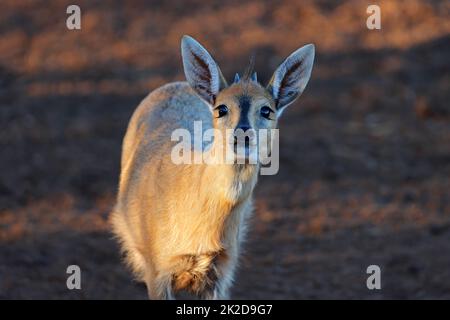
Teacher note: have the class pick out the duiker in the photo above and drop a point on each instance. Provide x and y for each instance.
(181, 225)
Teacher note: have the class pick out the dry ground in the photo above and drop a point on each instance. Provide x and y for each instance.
(365, 153)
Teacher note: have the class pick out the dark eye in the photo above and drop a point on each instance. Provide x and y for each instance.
(221, 110)
(265, 112)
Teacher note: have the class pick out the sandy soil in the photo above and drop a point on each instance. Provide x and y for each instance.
(365, 153)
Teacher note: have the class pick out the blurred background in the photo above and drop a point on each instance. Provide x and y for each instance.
(365, 152)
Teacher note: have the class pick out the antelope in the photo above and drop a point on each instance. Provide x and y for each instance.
(180, 226)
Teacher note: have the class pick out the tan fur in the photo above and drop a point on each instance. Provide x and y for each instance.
(181, 225)
(165, 211)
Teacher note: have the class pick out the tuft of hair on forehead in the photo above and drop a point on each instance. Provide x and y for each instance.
(249, 75)
(249, 70)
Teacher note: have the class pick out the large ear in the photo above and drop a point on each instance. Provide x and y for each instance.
(201, 71)
(291, 77)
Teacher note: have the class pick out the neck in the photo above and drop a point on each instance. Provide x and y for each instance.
(234, 179)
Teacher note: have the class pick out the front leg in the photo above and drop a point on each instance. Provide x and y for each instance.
(236, 231)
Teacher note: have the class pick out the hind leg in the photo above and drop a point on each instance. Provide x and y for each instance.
(155, 294)
(197, 274)
(224, 268)
(158, 288)
(218, 293)
(227, 270)
(221, 290)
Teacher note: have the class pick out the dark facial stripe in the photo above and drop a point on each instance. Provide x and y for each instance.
(244, 105)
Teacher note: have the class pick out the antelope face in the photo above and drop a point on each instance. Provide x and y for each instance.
(240, 112)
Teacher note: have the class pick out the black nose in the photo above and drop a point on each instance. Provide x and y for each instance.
(244, 128)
